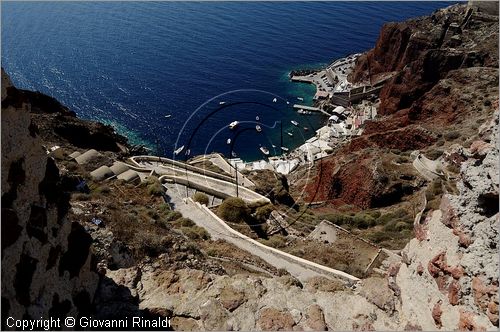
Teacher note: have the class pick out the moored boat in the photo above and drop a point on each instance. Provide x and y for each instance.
(295, 123)
(264, 150)
(179, 150)
(233, 124)
(258, 128)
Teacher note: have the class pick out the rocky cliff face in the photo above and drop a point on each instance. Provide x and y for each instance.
(46, 260)
(422, 51)
(56, 124)
(449, 275)
(444, 83)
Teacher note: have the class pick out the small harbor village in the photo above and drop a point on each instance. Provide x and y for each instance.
(334, 99)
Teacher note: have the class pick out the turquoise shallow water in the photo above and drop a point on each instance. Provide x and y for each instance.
(131, 63)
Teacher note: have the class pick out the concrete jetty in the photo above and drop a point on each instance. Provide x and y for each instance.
(310, 108)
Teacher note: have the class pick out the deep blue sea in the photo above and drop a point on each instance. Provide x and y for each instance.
(129, 64)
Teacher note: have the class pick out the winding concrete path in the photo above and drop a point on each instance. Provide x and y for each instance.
(300, 268)
(197, 178)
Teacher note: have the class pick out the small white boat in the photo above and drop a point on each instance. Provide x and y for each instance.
(285, 149)
(300, 98)
(257, 118)
(233, 124)
(264, 150)
(306, 129)
(222, 102)
(288, 103)
(258, 128)
(233, 154)
(188, 152)
(228, 141)
(275, 100)
(179, 150)
(295, 123)
(290, 134)
(273, 145)
(168, 115)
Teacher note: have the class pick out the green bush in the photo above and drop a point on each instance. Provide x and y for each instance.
(378, 237)
(400, 213)
(102, 190)
(390, 226)
(200, 198)
(452, 135)
(363, 221)
(401, 225)
(184, 222)
(234, 209)
(153, 214)
(154, 186)
(276, 241)
(434, 154)
(172, 215)
(195, 233)
(263, 212)
(338, 218)
(164, 208)
(375, 214)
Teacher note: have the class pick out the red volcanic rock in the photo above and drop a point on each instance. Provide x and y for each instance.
(393, 270)
(466, 322)
(483, 293)
(418, 53)
(464, 240)
(441, 272)
(436, 314)
(420, 269)
(412, 327)
(451, 99)
(408, 138)
(449, 217)
(456, 271)
(454, 292)
(353, 183)
(420, 231)
(437, 264)
(492, 312)
(479, 148)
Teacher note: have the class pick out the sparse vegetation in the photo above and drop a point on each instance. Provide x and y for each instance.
(200, 198)
(276, 241)
(154, 186)
(263, 212)
(234, 209)
(451, 135)
(195, 232)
